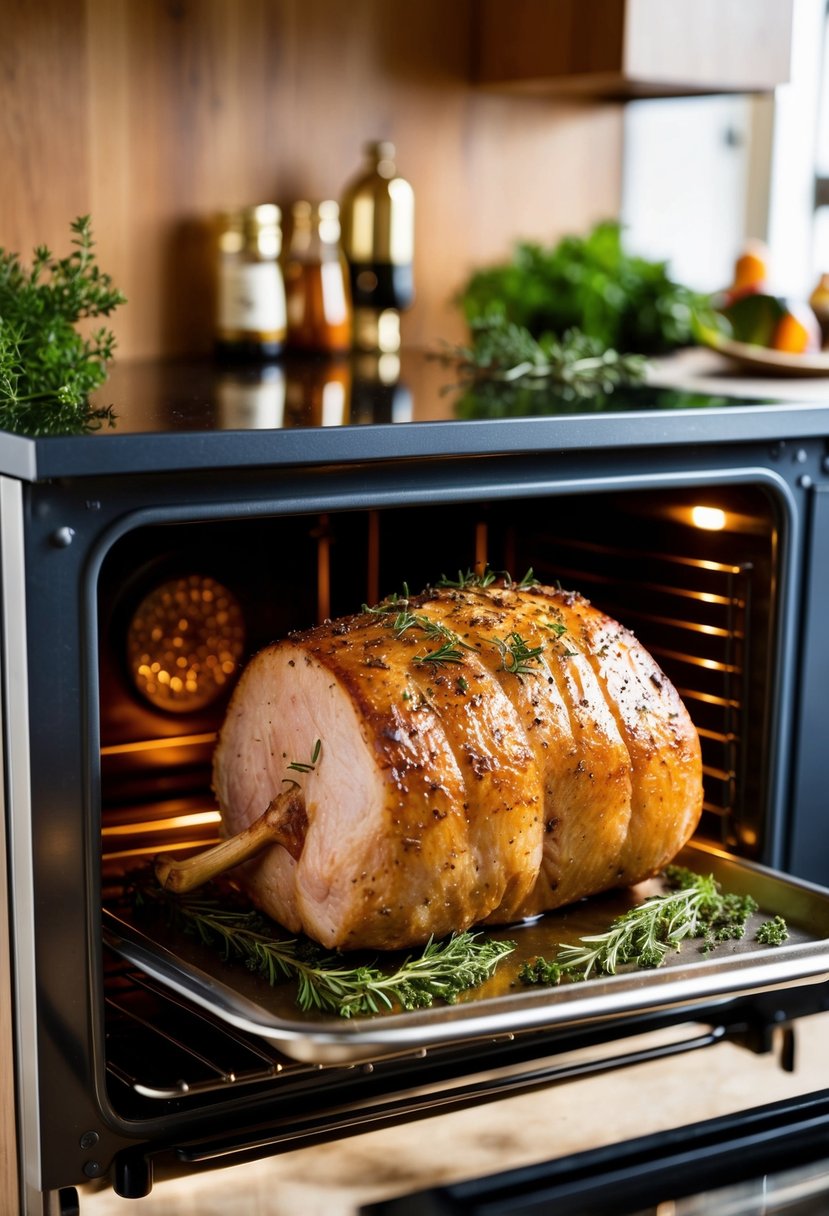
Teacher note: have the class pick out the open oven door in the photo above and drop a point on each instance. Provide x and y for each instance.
(773, 1159)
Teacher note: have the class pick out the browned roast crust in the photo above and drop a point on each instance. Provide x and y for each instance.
(473, 792)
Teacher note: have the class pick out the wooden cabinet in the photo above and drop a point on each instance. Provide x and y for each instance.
(633, 48)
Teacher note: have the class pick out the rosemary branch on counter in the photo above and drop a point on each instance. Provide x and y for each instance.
(505, 352)
(325, 981)
(695, 907)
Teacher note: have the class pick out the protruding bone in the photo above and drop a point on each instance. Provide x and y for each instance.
(284, 822)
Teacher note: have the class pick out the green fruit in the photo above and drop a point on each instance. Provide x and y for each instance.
(754, 318)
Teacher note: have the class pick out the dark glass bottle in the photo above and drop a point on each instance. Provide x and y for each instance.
(377, 218)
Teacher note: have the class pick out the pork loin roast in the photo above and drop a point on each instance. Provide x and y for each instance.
(470, 755)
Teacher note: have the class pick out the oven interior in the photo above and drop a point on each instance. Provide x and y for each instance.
(694, 573)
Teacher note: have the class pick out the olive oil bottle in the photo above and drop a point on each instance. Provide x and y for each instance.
(377, 218)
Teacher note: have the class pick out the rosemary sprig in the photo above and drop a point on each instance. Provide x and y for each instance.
(516, 654)
(502, 351)
(646, 934)
(307, 766)
(325, 983)
(450, 648)
(486, 578)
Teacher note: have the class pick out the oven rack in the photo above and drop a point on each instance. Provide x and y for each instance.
(205, 1057)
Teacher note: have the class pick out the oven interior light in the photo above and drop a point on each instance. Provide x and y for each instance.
(712, 519)
(185, 642)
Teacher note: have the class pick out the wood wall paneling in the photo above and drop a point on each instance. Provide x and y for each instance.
(630, 48)
(153, 115)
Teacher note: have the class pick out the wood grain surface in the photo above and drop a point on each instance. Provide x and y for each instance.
(152, 115)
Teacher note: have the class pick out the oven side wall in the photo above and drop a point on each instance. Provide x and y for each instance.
(9, 1174)
(8, 1130)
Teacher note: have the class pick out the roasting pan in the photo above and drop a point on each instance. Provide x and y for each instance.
(504, 1005)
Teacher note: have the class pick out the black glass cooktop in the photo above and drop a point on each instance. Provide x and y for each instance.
(358, 391)
(203, 414)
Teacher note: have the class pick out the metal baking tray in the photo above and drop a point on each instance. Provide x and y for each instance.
(504, 1005)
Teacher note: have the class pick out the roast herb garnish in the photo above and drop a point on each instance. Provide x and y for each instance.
(326, 982)
(486, 578)
(695, 907)
(307, 766)
(517, 655)
(47, 368)
(450, 648)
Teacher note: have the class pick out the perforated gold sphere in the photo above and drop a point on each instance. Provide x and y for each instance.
(185, 642)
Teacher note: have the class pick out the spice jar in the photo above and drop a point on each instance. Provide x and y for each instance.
(378, 242)
(316, 281)
(250, 313)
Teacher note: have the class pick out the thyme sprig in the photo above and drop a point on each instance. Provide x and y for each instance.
(48, 369)
(695, 907)
(326, 983)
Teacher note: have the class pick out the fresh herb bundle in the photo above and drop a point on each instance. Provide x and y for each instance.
(325, 981)
(588, 283)
(694, 907)
(507, 357)
(48, 369)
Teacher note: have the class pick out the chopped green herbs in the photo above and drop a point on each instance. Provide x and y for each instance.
(773, 932)
(327, 981)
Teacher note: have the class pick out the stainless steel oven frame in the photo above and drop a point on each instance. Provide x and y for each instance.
(64, 502)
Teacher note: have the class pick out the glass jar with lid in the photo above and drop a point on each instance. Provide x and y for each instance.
(250, 311)
(316, 281)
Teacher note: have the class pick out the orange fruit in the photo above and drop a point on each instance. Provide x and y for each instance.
(751, 270)
(797, 332)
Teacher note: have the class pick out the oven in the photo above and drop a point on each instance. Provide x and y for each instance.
(251, 503)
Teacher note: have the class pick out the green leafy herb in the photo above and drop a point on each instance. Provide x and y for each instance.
(469, 579)
(307, 766)
(646, 934)
(451, 646)
(325, 981)
(588, 283)
(773, 932)
(516, 655)
(506, 354)
(47, 368)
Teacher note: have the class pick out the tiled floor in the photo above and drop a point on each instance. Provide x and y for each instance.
(335, 1179)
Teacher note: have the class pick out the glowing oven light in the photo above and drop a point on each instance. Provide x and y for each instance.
(712, 519)
(185, 642)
